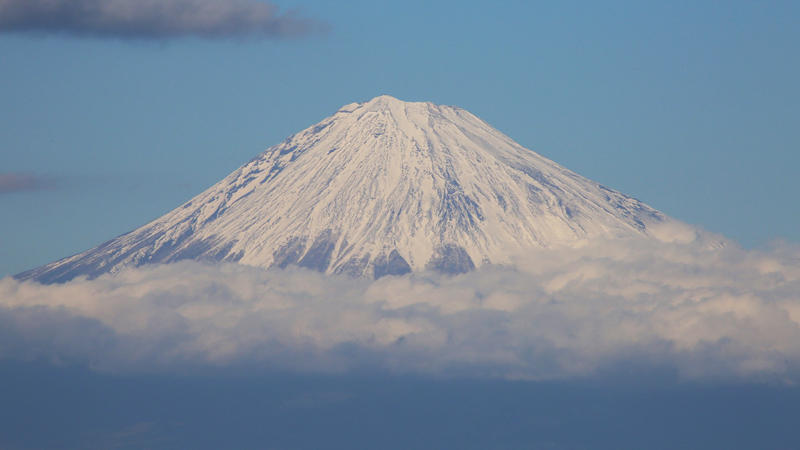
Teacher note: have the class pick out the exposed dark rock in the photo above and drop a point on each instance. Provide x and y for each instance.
(318, 256)
(354, 267)
(290, 253)
(394, 264)
(452, 259)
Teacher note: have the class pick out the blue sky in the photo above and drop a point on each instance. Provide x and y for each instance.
(689, 106)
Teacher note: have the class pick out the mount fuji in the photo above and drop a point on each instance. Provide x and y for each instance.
(384, 187)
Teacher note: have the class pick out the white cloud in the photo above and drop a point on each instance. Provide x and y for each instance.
(561, 313)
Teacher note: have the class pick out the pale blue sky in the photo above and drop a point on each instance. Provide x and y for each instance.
(690, 106)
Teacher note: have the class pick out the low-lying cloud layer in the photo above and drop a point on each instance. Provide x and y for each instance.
(695, 313)
(152, 19)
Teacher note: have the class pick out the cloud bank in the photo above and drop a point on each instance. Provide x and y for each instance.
(694, 313)
(153, 19)
(19, 182)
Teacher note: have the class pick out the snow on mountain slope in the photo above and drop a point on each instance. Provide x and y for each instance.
(382, 187)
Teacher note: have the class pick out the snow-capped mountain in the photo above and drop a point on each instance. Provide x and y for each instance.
(382, 187)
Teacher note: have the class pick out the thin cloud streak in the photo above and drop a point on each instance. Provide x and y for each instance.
(21, 182)
(154, 19)
(696, 313)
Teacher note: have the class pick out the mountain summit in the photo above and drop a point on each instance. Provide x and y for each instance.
(382, 188)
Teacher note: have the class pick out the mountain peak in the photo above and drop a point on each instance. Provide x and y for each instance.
(384, 99)
(381, 102)
(383, 187)
(391, 104)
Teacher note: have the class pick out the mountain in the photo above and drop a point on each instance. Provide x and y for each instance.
(379, 188)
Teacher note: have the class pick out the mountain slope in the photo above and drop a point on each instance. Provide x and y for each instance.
(379, 188)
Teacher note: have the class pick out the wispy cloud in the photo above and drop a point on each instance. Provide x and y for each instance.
(153, 19)
(698, 313)
(18, 182)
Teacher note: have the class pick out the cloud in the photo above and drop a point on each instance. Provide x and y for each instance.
(18, 182)
(153, 19)
(560, 313)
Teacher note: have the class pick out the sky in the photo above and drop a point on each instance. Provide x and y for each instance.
(113, 112)
(107, 124)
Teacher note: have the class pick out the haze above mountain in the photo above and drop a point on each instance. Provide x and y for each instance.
(379, 188)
